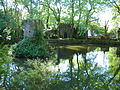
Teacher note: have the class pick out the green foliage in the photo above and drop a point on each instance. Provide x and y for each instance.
(114, 60)
(39, 37)
(5, 61)
(96, 28)
(30, 48)
(34, 77)
(9, 24)
(80, 13)
(3, 24)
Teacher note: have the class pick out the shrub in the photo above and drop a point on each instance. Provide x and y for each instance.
(31, 48)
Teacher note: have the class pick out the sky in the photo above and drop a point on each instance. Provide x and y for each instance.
(105, 16)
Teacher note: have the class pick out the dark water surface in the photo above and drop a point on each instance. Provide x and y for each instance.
(69, 68)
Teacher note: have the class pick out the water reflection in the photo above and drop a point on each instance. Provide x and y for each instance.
(83, 52)
(75, 68)
(89, 68)
(67, 52)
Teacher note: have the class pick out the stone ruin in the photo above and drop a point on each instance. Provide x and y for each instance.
(65, 30)
(30, 27)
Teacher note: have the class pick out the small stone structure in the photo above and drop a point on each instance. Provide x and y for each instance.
(65, 30)
(30, 26)
(51, 34)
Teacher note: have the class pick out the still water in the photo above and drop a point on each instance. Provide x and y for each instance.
(69, 68)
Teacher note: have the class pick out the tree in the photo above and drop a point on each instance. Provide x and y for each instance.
(85, 10)
(79, 13)
(106, 26)
(55, 7)
(115, 4)
(4, 5)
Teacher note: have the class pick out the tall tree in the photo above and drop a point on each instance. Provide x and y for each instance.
(115, 4)
(4, 5)
(72, 17)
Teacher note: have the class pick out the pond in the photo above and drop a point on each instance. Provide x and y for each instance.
(84, 67)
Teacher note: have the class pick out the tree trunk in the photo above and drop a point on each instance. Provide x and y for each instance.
(4, 7)
(72, 22)
(31, 12)
(48, 16)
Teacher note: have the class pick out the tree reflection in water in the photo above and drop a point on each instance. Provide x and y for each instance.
(78, 69)
(84, 73)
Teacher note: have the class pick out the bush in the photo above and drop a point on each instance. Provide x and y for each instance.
(30, 48)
